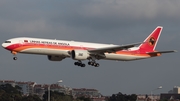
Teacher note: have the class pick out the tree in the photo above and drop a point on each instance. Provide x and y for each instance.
(31, 98)
(9, 93)
(83, 99)
(122, 97)
(57, 96)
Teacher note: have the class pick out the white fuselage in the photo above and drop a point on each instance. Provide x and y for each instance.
(62, 48)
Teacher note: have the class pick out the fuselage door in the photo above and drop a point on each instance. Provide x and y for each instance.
(21, 43)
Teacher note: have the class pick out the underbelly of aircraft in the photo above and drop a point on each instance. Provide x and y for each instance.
(118, 57)
(41, 51)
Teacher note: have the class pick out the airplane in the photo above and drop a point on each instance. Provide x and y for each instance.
(57, 50)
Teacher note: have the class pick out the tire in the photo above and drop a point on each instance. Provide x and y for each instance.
(83, 65)
(97, 65)
(14, 58)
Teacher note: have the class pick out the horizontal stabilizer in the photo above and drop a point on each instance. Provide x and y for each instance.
(161, 52)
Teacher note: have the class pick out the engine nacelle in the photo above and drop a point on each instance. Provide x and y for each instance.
(79, 54)
(55, 58)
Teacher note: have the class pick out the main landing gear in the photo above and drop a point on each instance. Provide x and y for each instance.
(79, 63)
(92, 63)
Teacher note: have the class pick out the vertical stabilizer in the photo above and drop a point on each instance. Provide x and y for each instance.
(151, 41)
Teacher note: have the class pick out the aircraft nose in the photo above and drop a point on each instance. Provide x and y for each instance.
(3, 45)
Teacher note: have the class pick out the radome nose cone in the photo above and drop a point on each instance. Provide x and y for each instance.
(3, 45)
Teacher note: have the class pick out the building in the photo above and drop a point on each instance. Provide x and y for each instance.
(173, 94)
(27, 87)
(90, 93)
(176, 90)
(170, 96)
(148, 97)
(11, 82)
(58, 88)
(39, 90)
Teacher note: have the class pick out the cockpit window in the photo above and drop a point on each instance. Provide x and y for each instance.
(7, 41)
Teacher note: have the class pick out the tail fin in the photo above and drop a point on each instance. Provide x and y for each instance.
(150, 42)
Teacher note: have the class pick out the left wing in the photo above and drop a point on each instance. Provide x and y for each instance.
(113, 49)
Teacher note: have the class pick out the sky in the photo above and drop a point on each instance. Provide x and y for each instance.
(101, 21)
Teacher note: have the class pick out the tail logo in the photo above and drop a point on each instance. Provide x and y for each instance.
(152, 41)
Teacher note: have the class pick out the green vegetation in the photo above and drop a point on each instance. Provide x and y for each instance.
(9, 93)
(57, 96)
(83, 99)
(122, 97)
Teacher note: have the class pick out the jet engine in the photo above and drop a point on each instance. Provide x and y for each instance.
(79, 54)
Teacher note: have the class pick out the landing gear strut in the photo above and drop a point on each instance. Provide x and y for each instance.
(79, 63)
(14, 53)
(92, 62)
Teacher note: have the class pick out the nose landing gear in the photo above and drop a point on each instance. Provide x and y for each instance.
(14, 58)
(14, 53)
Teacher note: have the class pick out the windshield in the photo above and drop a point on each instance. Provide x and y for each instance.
(7, 41)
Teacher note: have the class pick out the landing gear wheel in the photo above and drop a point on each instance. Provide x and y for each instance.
(75, 63)
(93, 63)
(89, 63)
(14, 58)
(79, 63)
(97, 65)
(83, 65)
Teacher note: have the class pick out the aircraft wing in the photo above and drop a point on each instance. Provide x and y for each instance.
(161, 52)
(113, 49)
